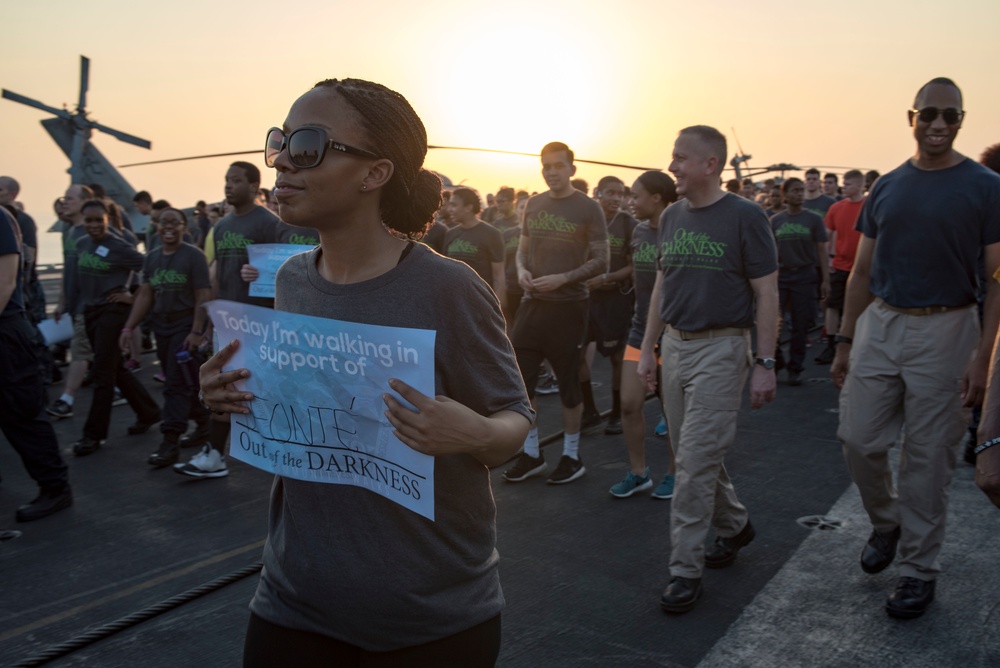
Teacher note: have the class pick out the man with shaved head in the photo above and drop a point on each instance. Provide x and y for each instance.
(910, 358)
(717, 275)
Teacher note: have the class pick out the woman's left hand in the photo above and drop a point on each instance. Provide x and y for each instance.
(441, 426)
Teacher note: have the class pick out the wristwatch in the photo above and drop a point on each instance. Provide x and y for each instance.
(766, 362)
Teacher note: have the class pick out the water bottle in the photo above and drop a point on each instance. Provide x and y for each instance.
(188, 369)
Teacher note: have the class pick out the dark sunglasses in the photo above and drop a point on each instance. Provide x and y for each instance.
(306, 146)
(929, 114)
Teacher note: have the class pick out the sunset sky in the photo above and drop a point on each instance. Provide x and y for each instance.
(811, 83)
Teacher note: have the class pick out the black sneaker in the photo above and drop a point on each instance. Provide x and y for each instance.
(87, 446)
(142, 426)
(547, 385)
(59, 409)
(826, 357)
(46, 503)
(569, 469)
(525, 467)
(590, 422)
(614, 426)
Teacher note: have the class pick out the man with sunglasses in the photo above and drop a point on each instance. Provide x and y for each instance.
(909, 354)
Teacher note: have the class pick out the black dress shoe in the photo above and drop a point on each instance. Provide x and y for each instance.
(168, 454)
(681, 594)
(86, 446)
(879, 551)
(911, 598)
(142, 426)
(723, 552)
(46, 503)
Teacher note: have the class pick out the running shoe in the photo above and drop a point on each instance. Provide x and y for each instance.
(60, 409)
(661, 427)
(665, 490)
(569, 469)
(631, 484)
(118, 399)
(525, 467)
(160, 377)
(209, 463)
(133, 365)
(590, 422)
(547, 384)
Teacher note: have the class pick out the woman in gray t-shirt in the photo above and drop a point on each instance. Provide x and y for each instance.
(350, 576)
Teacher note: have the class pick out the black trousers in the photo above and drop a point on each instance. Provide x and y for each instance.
(180, 400)
(268, 645)
(22, 405)
(104, 325)
(797, 296)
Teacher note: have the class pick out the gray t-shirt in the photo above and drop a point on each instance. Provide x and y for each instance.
(478, 246)
(930, 227)
(347, 563)
(175, 277)
(103, 267)
(797, 236)
(643, 252)
(231, 237)
(708, 256)
(299, 236)
(558, 232)
(819, 205)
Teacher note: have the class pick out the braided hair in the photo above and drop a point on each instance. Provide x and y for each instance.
(396, 133)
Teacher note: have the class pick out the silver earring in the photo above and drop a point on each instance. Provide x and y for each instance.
(364, 187)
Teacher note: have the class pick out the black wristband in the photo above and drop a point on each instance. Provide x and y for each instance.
(985, 445)
(838, 338)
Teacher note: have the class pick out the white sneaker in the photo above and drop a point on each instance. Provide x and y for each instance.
(209, 463)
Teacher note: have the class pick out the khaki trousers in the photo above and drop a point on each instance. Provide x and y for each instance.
(905, 375)
(702, 387)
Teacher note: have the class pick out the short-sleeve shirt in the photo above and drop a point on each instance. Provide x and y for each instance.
(298, 236)
(510, 228)
(557, 233)
(10, 244)
(797, 236)
(819, 205)
(433, 578)
(929, 227)
(841, 219)
(478, 246)
(231, 236)
(103, 267)
(175, 277)
(434, 237)
(643, 251)
(708, 256)
(619, 234)
(70, 236)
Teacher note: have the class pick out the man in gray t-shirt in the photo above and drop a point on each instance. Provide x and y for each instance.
(718, 269)
(563, 242)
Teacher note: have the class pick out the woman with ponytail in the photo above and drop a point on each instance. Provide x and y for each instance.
(351, 578)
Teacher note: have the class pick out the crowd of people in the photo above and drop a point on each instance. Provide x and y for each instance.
(683, 283)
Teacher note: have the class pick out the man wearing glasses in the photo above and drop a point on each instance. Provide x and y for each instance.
(909, 355)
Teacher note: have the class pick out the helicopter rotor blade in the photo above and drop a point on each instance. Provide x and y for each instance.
(15, 97)
(535, 155)
(84, 82)
(191, 157)
(450, 148)
(123, 136)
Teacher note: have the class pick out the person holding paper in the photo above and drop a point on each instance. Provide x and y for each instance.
(349, 162)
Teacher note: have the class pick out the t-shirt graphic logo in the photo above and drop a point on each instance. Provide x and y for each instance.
(546, 224)
(168, 277)
(232, 241)
(693, 243)
(793, 231)
(90, 261)
(462, 247)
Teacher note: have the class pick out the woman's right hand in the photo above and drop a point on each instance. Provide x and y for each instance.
(218, 391)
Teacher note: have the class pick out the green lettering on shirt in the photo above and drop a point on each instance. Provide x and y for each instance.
(90, 261)
(163, 277)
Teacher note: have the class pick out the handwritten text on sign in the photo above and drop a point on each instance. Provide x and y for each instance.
(317, 412)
